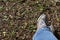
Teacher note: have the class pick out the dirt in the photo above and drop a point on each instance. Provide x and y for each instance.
(18, 18)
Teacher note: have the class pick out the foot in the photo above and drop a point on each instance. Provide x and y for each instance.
(41, 22)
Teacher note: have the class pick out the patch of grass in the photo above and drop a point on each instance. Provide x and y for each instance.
(5, 0)
(1, 8)
(5, 18)
(13, 33)
(32, 28)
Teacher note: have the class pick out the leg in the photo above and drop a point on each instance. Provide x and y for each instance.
(43, 32)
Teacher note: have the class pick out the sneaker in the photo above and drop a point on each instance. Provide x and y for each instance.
(41, 23)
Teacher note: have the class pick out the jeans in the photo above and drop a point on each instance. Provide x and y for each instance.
(44, 34)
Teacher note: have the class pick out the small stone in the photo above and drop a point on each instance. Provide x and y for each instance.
(37, 2)
(11, 16)
(4, 33)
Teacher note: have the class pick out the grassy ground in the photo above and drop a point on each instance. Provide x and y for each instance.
(18, 18)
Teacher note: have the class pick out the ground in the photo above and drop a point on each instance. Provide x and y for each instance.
(18, 18)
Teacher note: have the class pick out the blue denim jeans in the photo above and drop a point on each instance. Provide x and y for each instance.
(44, 34)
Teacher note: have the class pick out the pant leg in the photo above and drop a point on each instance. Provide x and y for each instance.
(44, 34)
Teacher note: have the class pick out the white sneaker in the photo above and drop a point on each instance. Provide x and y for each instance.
(41, 22)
